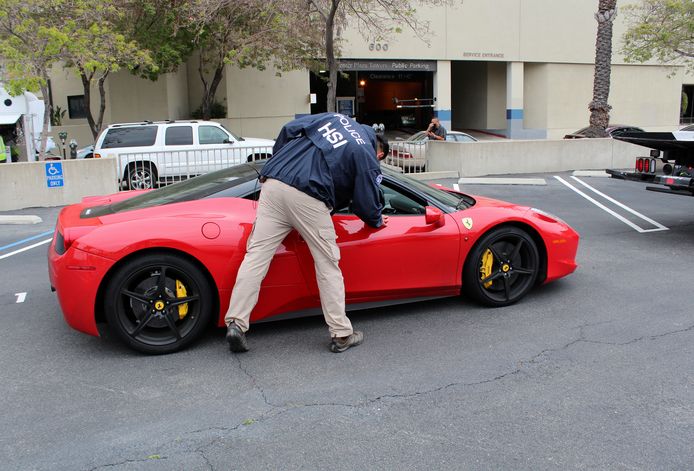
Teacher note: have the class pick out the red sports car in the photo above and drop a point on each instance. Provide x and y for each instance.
(158, 266)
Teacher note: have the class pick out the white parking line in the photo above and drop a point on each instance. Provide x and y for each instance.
(635, 213)
(20, 297)
(659, 227)
(24, 249)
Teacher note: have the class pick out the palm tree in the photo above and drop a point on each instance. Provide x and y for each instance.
(599, 108)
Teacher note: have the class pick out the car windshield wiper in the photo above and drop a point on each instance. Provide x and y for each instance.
(462, 204)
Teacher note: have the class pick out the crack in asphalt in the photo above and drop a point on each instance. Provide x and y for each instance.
(111, 465)
(201, 451)
(254, 382)
(649, 337)
(280, 409)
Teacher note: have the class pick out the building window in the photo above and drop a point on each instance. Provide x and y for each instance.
(76, 108)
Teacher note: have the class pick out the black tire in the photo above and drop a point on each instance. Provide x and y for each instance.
(141, 176)
(502, 267)
(256, 157)
(144, 308)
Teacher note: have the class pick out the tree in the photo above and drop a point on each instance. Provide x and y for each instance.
(96, 49)
(375, 19)
(156, 25)
(29, 47)
(245, 33)
(661, 30)
(599, 107)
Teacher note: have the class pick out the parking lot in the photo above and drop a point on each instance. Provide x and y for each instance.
(593, 371)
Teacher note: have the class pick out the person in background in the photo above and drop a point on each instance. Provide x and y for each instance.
(3, 152)
(436, 132)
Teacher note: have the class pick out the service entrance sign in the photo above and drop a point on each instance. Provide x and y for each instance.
(54, 174)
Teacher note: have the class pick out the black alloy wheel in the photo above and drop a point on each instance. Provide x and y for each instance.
(502, 267)
(141, 176)
(158, 303)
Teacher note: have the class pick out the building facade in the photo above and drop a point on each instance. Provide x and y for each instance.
(518, 68)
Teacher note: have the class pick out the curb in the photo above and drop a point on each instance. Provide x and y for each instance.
(590, 173)
(433, 175)
(20, 219)
(502, 181)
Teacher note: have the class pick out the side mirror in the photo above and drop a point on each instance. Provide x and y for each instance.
(434, 215)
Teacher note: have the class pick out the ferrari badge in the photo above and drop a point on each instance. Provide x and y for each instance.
(467, 222)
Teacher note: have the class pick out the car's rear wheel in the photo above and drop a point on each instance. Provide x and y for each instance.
(256, 157)
(141, 176)
(502, 267)
(158, 303)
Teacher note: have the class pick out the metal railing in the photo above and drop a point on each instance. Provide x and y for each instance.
(411, 157)
(144, 170)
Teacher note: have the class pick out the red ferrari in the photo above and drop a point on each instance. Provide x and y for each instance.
(158, 266)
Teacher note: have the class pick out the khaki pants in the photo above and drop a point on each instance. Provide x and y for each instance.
(281, 209)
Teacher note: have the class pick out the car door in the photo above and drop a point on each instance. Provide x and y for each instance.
(218, 149)
(405, 259)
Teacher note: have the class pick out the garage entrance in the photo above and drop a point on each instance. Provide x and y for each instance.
(398, 94)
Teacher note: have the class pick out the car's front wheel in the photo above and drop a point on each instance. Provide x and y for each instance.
(158, 303)
(502, 267)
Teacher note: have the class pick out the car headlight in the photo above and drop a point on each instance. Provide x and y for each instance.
(549, 217)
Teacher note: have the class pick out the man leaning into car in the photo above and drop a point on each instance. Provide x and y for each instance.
(319, 164)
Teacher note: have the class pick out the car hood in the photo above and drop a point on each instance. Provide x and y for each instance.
(257, 142)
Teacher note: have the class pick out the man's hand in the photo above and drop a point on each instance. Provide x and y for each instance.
(384, 219)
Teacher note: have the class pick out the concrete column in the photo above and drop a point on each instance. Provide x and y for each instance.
(442, 92)
(514, 99)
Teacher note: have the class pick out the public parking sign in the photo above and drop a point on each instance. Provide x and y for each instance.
(54, 174)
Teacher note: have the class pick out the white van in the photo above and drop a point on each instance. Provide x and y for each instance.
(153, 152)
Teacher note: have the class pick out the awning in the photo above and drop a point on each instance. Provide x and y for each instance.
(9, 118)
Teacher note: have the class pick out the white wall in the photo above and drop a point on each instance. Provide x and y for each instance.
(23, 184)
(510, 157)
(137, 99)
(499, 30)
(535, 96)
(261, 103)
(496, 95)
(557, 97)
(177, 92)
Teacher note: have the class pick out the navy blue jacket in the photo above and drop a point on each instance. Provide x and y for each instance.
(332, 158)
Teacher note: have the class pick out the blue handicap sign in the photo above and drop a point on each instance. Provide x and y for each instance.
(54, 174)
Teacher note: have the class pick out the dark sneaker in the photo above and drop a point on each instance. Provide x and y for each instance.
(340, 344)
(236, 338)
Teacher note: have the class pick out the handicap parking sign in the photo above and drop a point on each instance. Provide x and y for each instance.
(54, 174)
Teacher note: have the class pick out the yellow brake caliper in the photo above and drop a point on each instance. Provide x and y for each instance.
(181, 292)
(486, 267)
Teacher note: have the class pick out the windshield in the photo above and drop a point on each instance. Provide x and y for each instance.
(238, 138)
(453, 201)
(188, 190)
(418, 136)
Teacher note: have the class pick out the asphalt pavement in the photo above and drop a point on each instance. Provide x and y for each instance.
(592, 371)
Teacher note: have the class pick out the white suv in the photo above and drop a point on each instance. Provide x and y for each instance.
(152, 152)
